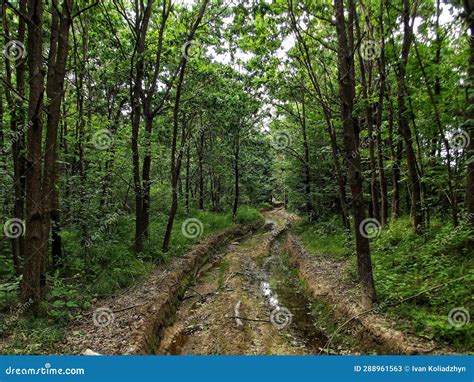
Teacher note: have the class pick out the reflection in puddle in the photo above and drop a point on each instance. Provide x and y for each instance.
(268, 293)
(287, 295)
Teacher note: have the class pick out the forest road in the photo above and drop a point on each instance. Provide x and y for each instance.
(248, 301)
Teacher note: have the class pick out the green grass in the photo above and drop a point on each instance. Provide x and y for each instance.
(406, 264)
(108, 265)
(326, 238)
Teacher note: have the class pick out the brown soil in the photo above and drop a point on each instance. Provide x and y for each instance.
(226, 311)
(223, 297)
(134, 319)
(325, 280)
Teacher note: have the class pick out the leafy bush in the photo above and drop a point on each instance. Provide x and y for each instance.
(247, 214)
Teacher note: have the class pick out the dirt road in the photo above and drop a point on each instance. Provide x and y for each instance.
(248, 301)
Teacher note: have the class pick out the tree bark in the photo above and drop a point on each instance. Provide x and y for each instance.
(404, 128)
(469, 10)
(176, 160)
(347, 94)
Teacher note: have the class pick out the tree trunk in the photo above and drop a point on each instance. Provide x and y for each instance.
(176, 162)
(378, 124)
(347, 94)
(404, 128)
(41, 183)
(469, 9)
(19, 129)
(236, 175)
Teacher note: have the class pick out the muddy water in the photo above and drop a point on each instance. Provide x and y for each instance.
(282, 289)
(249, 301)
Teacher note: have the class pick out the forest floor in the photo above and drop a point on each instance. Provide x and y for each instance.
(255, 295)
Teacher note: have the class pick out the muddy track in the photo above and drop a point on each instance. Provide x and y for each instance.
(250, 301)
(244, 291)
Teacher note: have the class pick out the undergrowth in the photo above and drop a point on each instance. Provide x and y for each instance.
(419, 279)
(98, 267)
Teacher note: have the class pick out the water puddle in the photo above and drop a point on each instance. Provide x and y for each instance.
(280, 286)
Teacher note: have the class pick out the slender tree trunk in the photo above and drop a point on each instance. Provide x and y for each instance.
(176, 161)
(201, 166)
(469, 10)
(347, 94)
(378, 124)
(19, 128)
(404, 128)
(236, 175)
(186, 203)
(307, 169)
(442, 137)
